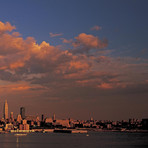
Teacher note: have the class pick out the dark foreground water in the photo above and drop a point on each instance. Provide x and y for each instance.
(94, 140)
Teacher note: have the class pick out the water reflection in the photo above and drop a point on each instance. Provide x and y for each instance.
(17, 142)
(95, 140)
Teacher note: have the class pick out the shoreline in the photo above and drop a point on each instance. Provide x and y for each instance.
(81, 131)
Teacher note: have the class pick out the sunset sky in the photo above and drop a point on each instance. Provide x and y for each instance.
(75, 58)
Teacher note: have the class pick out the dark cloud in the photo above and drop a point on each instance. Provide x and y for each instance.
(81, 72)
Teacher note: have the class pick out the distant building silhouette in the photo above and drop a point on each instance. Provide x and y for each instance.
(53, 118)
(145, 124)
(5, 113)
(42, 118)
(11, 116)
(22, 112)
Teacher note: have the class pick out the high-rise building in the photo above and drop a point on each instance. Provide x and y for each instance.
(5, 113)
(19, 118)
(53, 118)
(11, 116)
(22, 112)
(42, 118)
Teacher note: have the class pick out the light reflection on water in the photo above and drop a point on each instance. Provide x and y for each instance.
(57, 140)
(17, 142)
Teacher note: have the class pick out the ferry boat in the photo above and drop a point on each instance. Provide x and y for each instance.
(20, 134)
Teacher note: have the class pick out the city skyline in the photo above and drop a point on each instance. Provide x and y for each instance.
(43, 116)
(5, 110)
(77, 59)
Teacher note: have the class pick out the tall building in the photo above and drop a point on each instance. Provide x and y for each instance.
(11, 116)
(22, 112)
(53, 118)
(5, 113)
(19, 118)
(42, 118)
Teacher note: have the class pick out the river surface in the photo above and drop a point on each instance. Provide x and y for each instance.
(63, 140)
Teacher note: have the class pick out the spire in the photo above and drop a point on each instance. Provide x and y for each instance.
(5, 113)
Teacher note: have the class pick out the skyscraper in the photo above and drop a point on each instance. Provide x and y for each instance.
(42, 118)
(22, 112)
(5, 114)
(11, 115)
(53, 118)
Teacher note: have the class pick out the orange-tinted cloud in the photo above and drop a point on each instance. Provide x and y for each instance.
(16, 44)
(56, 69)
(17, 65)
(105, 86)
(78, 65)
(5, 27)
(87, 42)
(20, 88)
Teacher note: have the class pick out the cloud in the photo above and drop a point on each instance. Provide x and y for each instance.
(85, 42)
(16, 44)
(55, 34)
(5, 27)
(67, 41)
(17, 65)
(21, 88)
(79, 72)
(79, 65)
(105, 86)
(96, 28)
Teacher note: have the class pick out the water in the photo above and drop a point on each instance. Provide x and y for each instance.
(58, 140)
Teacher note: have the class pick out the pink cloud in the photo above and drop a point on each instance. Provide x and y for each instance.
(55, 34)
(105, 86)
(96, 28)
(67, 41)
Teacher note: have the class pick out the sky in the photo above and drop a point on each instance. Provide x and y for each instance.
(75, 58)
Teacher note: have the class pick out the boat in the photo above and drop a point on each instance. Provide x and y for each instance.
(20, 134)
(74, 131)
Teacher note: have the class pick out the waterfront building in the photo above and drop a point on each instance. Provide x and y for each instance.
(145, 124)
(63, 123)
(48, 120)
(109, 126)
(9, 126)
(22, 112)
(21, 127)
(24, 122)
(32, 123)
(53, 118)
(19, 118)
(11, 117)
(24, 127)
(5, 113)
